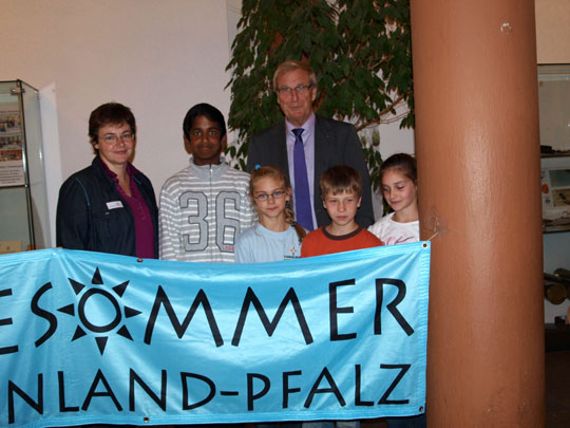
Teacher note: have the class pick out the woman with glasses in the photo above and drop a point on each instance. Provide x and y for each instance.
(276, 237)
(109, 206)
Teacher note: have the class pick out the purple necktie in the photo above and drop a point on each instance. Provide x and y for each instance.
(304, 215)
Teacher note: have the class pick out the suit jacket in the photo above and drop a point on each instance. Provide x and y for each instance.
(336, 143)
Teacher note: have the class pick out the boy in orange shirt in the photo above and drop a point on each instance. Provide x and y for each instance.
(341, 191)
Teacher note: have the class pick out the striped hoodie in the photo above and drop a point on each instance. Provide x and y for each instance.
(202, 210)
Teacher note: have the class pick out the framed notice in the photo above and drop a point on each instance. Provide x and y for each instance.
(11, 152)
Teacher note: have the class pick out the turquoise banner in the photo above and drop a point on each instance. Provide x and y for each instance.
(96, 338)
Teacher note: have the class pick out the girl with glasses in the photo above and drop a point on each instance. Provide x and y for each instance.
(276, 236)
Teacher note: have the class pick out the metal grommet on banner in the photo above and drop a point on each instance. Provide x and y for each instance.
(146, 420)
(140, 260)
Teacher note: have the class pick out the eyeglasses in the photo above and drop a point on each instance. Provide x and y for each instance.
(263, 197)
(211, 133)
(125, 137)
(299, 89)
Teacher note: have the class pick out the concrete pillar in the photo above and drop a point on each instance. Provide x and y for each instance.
(478, 157)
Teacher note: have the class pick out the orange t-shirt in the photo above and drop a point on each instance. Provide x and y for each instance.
(320, 242)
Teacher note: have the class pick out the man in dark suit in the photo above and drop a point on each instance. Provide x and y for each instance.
(326, 143)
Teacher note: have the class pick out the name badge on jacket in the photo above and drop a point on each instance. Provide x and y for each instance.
(114, 204)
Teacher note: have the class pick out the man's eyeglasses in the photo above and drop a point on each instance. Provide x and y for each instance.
(263, 197)
(211, 133)
(125, 137)
(299, 89)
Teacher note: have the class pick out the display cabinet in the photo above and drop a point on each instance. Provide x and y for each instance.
(23, 200)
(554, 110)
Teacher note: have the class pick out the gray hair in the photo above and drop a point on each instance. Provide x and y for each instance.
(292, 65)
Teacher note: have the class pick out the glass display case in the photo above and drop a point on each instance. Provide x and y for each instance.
(554, 111)
(23, 200)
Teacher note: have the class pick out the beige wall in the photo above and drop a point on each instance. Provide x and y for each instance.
(159, 57)
(552, 31)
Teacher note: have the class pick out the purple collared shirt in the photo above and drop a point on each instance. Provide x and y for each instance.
(308, 137)
(144, 228)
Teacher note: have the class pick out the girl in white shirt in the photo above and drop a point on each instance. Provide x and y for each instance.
(398, 175)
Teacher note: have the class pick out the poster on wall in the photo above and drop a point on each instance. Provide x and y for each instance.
(11, 151)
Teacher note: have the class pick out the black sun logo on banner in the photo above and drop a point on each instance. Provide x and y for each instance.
(102, 329)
